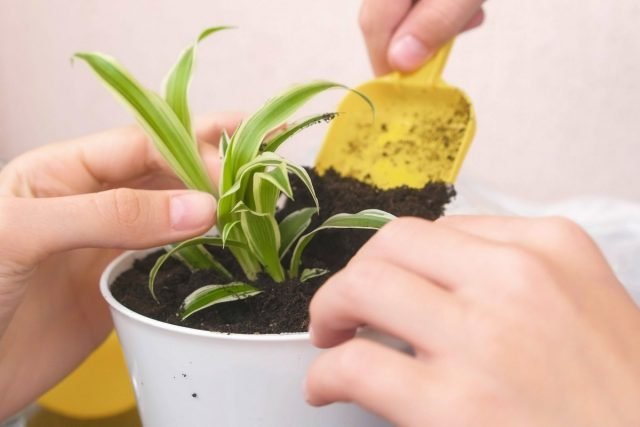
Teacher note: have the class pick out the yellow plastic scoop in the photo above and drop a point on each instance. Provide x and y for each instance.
(421, 130)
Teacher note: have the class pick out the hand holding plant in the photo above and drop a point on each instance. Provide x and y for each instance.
(59, 200)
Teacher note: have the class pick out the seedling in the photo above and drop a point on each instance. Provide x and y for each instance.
(253, 178)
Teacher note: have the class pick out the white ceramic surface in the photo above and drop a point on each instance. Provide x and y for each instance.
(188, 377)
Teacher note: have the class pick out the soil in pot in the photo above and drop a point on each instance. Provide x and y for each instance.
(281, 307)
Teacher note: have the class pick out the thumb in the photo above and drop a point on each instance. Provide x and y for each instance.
(428, 26)
(121, 218)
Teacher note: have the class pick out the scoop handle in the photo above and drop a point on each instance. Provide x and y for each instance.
(431, 71)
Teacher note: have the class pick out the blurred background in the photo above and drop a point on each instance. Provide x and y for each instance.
(555, 83)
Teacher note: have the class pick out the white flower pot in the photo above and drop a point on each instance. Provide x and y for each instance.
(188, 377)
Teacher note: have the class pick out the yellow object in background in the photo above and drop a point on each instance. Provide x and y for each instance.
(420, 132)
(99, 387)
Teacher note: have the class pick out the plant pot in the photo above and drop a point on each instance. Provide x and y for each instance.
(189, 377)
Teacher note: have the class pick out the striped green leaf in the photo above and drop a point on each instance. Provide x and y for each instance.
(204, 240)
(157, 118)
(263, 237)
(267, 188)
(226, 232)
(211, 295)
(280, 137)
(237, 191)
(292, 227)
(224, 142)
(176, 84)
(249, 136)
(198, 258)
(367, 219)
(311, 273)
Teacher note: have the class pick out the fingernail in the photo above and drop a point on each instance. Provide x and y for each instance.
(408, 53)
(310, 334)
(191, 210)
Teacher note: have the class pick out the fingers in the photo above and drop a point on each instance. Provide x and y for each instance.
(371, 292)
(545, 235)
(506, 229)
(123, 218)
(123, 155)
(382, 380)
(116, 158)
(209, 126)
(379, 19)
(447, 257)
(402, 34)
(475, 21)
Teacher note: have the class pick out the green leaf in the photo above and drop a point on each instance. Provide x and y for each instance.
(267, 188)
(158, 120)
(249, 136)
(224, 142)
(227, 230)
(205, 240)
(312, 273)
(198, 258)
(210, 295)
(267, 159)
(367, 219)
(287, 132)
(292, 227)
(176, 85)
(263, 236)
(229, 198)
(265, 194)
(303, 175)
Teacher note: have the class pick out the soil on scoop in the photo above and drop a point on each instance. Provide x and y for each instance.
(281, 307)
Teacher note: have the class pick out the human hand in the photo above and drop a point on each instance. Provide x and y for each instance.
(513, 322)
(57, 201)
(402, 34)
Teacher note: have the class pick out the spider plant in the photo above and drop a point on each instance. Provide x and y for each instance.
(252, 180)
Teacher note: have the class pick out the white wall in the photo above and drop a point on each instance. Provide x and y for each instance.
(555, 82)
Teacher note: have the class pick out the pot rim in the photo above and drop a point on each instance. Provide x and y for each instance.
(137, 317)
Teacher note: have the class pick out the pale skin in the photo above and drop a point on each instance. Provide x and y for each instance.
(514, 322)
(110, 191)
(402, 34)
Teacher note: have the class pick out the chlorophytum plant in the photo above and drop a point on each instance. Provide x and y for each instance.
(252, 180)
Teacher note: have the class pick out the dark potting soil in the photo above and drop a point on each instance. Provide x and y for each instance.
(281, 307)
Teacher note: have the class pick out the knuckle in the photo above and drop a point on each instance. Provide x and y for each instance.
(395, 231)
(436, 23)
(354, 362)
(561, 229)
(366, 21)
(19, 256)
(522, 268)
(124, 205)
(519, 260)
(356, 281)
